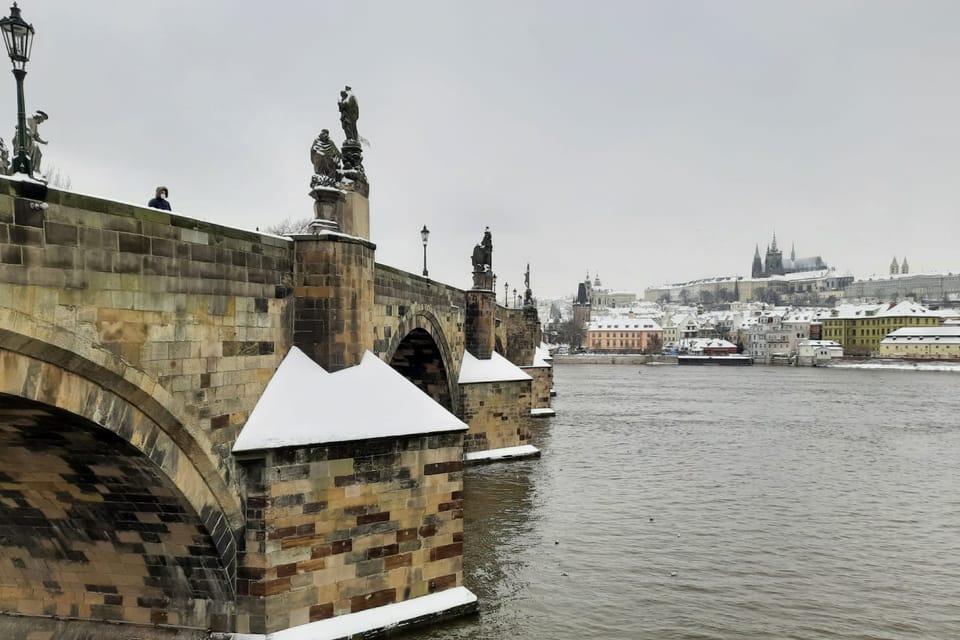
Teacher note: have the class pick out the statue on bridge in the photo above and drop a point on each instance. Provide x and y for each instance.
(4, 159)
(342, 168)
(349, 113)
(482, 260)
(528, 294)
(483, 253)
(33, 138)
(325, 158)
(353, 173)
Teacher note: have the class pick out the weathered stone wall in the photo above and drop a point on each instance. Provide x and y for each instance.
(404, 301)
(540, 386)
(199, 310)
(346, 527)
(410, 313)
(480, 323)
(333, 290)
(498, 414)
(522, 331)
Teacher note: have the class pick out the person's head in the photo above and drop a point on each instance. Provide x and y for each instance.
(324, 134)
(162, 192)
(40, 116)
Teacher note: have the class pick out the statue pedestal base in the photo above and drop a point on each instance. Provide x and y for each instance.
(349, 211)
(483, 280)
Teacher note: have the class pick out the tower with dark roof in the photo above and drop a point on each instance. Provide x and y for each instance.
(757, 270)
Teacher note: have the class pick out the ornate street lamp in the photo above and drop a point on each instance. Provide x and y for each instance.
(514, 297)
(506, 292)
(425, 235)
(18, 38)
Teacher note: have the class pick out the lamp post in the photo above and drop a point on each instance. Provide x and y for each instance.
(425, 235)
(514, 297)
(506, 292)
(18, 38)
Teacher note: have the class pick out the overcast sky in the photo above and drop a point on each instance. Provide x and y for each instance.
(644, 141)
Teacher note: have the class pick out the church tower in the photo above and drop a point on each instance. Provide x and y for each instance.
(894, 267)
(773, 265)
(757, 270)
(904, 267)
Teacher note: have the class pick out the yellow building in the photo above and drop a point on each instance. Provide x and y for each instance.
(934, 343)
(859, 329)
(624, 335)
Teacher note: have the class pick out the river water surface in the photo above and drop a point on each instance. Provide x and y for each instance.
(749, 502)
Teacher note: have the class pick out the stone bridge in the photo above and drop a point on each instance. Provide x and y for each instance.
(134, 344)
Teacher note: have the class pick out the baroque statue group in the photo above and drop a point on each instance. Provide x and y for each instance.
(341, 168)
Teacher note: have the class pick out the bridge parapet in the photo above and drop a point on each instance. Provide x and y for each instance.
(197, 308)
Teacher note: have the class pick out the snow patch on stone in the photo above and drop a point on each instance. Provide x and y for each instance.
(496, 369)
(303, 405)
(544, 412)
(506, 453)
(386, 617)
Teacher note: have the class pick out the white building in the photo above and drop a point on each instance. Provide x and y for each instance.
(811, 353)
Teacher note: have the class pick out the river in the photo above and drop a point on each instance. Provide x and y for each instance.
(743, 502)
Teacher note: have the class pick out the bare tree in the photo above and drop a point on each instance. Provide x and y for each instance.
(56, 178)
(288, 227)
(572, 333)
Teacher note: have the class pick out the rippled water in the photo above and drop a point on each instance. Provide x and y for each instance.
(755, 502)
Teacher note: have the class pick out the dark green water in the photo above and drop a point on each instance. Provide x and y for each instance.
(755, 502)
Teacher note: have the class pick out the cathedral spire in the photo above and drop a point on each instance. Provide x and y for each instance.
(894, 267)
(773, 246)
(793, 252)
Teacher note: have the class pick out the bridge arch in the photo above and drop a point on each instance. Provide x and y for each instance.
(420, 352)
(127, 402)
(93, 529)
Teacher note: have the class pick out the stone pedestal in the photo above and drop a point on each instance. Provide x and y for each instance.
(328, 206)
(333, 298)
(346, 211)
(355, 217)
(480, 322)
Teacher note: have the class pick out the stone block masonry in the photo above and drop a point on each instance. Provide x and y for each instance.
(343, 528)
(201, 310)
(333, 288)
(540, 386)
(498, 414)
(92, 530)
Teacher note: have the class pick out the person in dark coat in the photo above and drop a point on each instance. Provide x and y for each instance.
(160, 202)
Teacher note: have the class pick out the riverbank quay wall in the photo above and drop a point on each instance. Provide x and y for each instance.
(588, 358)
(152, 335)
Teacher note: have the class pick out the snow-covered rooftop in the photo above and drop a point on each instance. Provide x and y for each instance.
(304, 405)
(946, 331)
(625, 324)
(496, 369)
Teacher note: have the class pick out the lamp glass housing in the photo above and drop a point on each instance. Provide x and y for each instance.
(17, 37)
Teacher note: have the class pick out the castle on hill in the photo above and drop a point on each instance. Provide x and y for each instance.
(774, 263)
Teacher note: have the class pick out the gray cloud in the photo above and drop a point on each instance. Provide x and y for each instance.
(647, 141)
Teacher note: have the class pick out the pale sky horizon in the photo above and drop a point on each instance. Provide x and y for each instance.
(647, 142)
